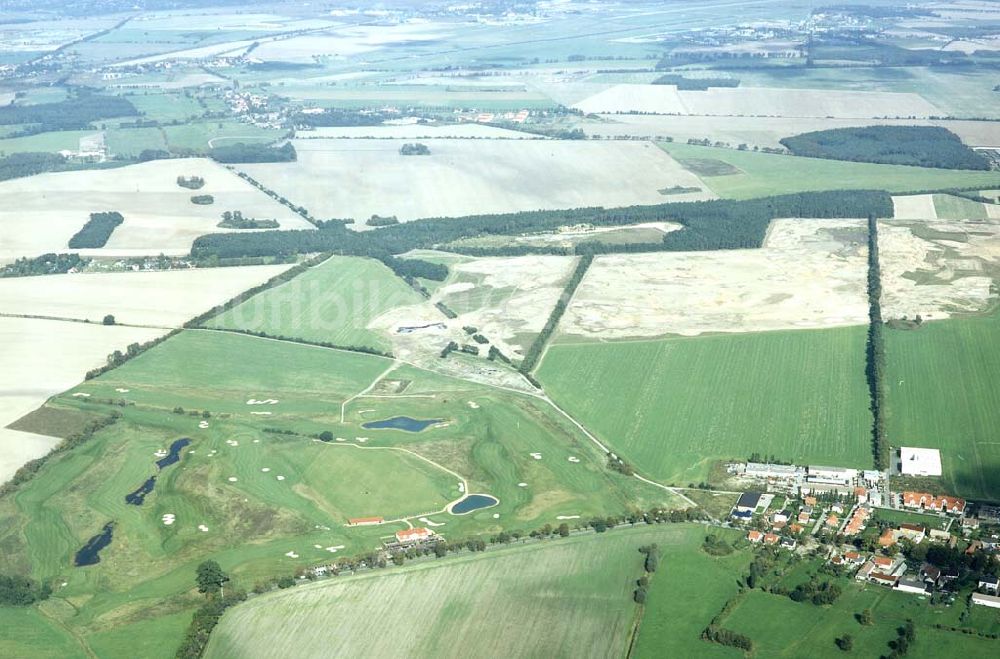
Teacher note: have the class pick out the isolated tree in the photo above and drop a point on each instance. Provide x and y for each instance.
(845, 643)
(326, 436)
(564, 529)
(210, 578)
(109, 320)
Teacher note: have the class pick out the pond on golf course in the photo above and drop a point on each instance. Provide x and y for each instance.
(401, 423)
(89, 553)
(473, 502)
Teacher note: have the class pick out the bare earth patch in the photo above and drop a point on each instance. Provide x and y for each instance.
(937, 269)
(810, 273)
(914, 207)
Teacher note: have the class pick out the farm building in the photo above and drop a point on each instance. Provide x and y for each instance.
(912, 585)
(413, 535)
(919, 461)
(991, 601)
(831, 475)
(364, 521)
(748, 502)
(765, 471)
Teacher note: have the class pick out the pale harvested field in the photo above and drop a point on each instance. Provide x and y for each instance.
(344, 42)
(17, 448)
(41, 358)
(41, 213)
(757, 101)
(417, 131)
(810, 273)
(914, 207)
(766, 131)
(465, 177)
(939, 268)
(167, 298)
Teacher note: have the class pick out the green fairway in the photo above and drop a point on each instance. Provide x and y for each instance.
(200, 136)
(673, 407)
(943, 391)
(25, 632)
(958, 208)
(333, 302)
(763, 174)
(564, 598)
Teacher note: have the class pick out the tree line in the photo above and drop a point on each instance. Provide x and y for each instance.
(242, 152)
(71, 114)
(695, 84)
(922, 146)
(533, 354)
(875, 350)
(46, 264)
(97, 230)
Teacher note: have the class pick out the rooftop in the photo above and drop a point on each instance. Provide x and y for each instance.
(920, 461)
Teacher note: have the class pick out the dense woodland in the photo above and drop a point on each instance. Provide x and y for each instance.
(97, 230)
(241, 152)
(46, 264)
(71, 114)
(695, 84)
(235, 220)
(17, 165)
(924, 146)
(342, 117)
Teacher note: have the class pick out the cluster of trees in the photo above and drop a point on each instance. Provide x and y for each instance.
(97, 230)
(203, 200)
(716, 546)
(905, 636)
(650, 562)
(29, 163)
(414, 149)
(241, 152)
(717, 634)
(342, 117)
(875, 350)
(204, 621)
(46, 264)
(191, 182)
(71, 114)
(16, 590)
(819, 594)
(380, 221)
(923, 146)
(695, 84)
(535, 351)
(881, 53)
(235, 220)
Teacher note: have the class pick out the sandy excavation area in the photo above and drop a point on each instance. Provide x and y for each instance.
(168, 298)
(757, 101)
(467, 177)
(914, 207)
(41, 358)
(809, 274)
(39, 214)
(936, 269)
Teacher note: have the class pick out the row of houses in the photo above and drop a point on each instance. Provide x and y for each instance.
(938, 504)
(759, 537)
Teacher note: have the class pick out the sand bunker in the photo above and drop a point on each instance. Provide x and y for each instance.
(810, 273)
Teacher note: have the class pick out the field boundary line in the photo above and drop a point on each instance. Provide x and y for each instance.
(378, 378)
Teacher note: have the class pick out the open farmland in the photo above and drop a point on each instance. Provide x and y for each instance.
(761, 174)
(810, 273)
(167, 298)
(914, 207)
(760, 101)
(417, 131)
(467, 606)
(938, 268)
(334, 302)
(943, 391)
(673, 407)
(41, 358)
(40, 213)
(469, 177)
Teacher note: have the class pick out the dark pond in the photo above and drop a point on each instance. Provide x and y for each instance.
(175, 453)
(401, 423)
(473, 502)
(88, 555)
(137, 497)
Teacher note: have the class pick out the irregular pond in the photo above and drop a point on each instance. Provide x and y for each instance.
(175, 453)
(88, 555)
(401, 423)
(473, 502)
(137, 497)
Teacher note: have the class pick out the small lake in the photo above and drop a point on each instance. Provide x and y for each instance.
(401, 423)
(473, 502)
(136, 498)
(89, 554)
(175, 453)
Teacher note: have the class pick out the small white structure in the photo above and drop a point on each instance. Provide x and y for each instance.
(991, 601)
(831, 475)
(919, 461)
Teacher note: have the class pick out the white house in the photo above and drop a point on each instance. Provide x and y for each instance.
(919, 461)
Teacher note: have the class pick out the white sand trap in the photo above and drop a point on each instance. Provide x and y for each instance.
(321, 527)
(169, 518)
(121, 391)
(159, 453)
(341, 439)
(537, 456)
(914, 207)
(261, 413)
(256, 441)
(361, 439)
(80, 394)
(428, 522)
(265, 469)
(233, 479)
(317, 546)
(567, 517)
(496, 515)
(232, 442)
(461, 487)
(334, 549)
(473, 404)
(522, 485)
(291, 554)
(269, 401)
(203, 425)
(203, 528)
(280, 478)
(573, 458)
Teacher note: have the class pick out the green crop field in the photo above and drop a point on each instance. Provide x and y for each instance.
(565, 598)
(952, 207)
(333, 302)
(673, 407)
(129, 142)
(763, 174)
(200, 136)
(166, 107)
(26, 632)
(63, 140)
(943, 391)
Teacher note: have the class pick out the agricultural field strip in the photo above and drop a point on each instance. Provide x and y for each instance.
(538, 396)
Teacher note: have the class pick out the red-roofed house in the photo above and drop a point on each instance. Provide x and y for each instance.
(365, 521)
(882, 578)
(413, 535)
(771, 539)
(755, 536)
